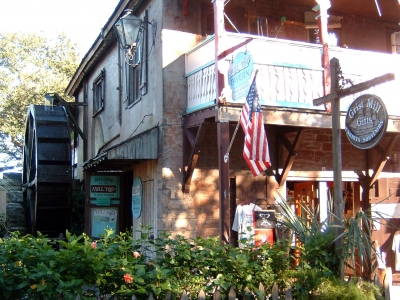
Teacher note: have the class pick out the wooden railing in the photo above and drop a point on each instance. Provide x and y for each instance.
(290, 73)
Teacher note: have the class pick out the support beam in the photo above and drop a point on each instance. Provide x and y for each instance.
(292, 149)
(384, 156)
(194, 155)
(354, 89)
(224, 190)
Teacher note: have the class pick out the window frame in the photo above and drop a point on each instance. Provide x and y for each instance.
(99, 89)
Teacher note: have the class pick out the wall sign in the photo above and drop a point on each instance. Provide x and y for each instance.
(137, 197)
(104, 186)
(102, 219)
(366, 121)
(239, 75)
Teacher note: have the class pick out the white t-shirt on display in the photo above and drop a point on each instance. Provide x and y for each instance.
(243, 222)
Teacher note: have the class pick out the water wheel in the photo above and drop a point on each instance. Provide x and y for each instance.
(46, 176)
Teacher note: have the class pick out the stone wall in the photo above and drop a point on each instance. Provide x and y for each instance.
(10, 185)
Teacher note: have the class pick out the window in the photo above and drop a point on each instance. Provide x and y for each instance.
(99, 92)
(137, 72)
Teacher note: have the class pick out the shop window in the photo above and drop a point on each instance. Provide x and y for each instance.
(99, 92)
(137, 70)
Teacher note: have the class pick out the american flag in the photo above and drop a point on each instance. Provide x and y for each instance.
(255, 151)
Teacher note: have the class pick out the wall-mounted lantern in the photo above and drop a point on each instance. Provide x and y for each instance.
(128, 30)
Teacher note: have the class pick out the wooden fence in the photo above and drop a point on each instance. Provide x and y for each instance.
(384, 282)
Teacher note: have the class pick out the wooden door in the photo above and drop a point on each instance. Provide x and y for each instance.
(304, 195)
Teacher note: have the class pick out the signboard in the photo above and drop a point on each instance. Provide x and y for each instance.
(366, 121)
(264, 219)
(137, 197)
(239, 74)
(264, 225)
(103, 188)
(386, 210)
(102, 219)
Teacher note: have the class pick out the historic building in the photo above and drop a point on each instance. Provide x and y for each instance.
(161, 143)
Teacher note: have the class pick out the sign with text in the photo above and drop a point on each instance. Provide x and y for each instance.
(366, 121)
(102, 219)
(137, 197)
(104, 186)
(239, 75)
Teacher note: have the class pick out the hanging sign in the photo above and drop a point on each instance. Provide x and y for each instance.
(366, 121)
(239, 75)
(137, 197)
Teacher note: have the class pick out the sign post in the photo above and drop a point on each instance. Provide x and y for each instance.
(334, 97)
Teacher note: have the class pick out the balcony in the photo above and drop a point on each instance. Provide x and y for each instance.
(290, 74)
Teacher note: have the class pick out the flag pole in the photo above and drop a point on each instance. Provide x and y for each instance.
(226, 156)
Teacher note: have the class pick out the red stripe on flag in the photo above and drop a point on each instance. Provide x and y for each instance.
(255, 151)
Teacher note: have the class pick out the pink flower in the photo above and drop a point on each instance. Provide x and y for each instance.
(128, 278)
(136, 254)
(94, 245)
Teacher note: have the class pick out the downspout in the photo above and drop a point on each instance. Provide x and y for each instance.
(322, 11)
(119, 86)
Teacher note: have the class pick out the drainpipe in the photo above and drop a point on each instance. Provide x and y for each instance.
(119, 87)
(322, 11)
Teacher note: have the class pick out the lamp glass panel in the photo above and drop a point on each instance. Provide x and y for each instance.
(120, 34)
(131, 25)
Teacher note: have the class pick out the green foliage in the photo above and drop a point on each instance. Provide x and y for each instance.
(40, 268)
(334, 289)
(318, 237)
(30, 66)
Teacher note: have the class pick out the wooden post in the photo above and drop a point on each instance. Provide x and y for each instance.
(338, 207)
(223, 131)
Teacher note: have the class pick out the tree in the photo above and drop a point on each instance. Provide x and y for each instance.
(31, 65)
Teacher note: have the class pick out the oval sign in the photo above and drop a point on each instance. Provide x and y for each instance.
(239, 74)
(137, 197)
(366, 121)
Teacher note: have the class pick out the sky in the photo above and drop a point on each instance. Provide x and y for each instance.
(81, 20)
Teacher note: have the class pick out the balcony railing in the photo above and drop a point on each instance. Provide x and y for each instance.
(290, 73)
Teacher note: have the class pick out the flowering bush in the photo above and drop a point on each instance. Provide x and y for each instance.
(40, 268)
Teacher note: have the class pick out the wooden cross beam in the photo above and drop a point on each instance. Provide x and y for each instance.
(354, 89)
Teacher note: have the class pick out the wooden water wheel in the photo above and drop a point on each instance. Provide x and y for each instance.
(47, 170)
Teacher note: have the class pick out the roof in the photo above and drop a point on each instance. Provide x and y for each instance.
(139, 147)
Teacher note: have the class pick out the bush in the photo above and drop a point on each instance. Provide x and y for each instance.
(40, 268)
(334, 289)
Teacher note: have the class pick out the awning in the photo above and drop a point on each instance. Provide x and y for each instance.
(139, 147)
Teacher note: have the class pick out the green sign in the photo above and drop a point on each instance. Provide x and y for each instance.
(104, 186)
(102, 219)
(137, 197)
(103, 201)
(239, 74)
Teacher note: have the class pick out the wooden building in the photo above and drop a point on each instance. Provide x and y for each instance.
(157, 132)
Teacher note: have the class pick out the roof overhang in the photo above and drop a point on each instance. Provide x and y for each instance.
(140, 147)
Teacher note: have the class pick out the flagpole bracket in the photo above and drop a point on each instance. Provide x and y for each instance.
(226, 157)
